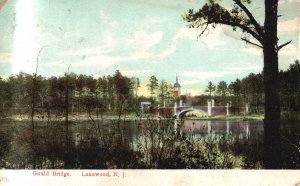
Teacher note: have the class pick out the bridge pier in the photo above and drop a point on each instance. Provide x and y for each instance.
(247, 108)
(209, 107)
(227, 128)
(227, 109)
(247, 130)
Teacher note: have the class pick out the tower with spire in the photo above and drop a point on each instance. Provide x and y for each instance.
(176, 88)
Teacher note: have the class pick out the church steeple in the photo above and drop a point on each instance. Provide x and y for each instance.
(176, 88)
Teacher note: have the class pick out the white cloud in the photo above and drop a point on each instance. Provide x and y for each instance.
(296, 1)
(288, 1)
(56, 64)
(247, 67)
(191, 82)
(4, 58)
(135, 72)
(253, 50)
(210, 40)
(169, 51)
(290, 50)
(104, 60)
(108, 21)
(196, 77)
(186, 33)
(202, 76)
(292, 25)
(46, 38)
(86, 51)
(142, 41)
(92, 57)
(94, 61)
(105, 48)
(148, 22)
(71, 35)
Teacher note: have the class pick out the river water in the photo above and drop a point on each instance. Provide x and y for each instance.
(84, 137)
(214, 127)
(132, 130)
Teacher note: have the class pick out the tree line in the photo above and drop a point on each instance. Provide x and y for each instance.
(250, 90)
(119, 94)
(78, 93)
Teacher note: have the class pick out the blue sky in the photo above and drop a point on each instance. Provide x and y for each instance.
(138, 37)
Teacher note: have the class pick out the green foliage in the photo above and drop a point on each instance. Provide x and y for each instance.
(84, 92)
(165, 94)
(161, 148)
(250, 89)
(290, 134)
(210, 89)
(153, 85)
(290, 87)
(213, 13)
(158, 146)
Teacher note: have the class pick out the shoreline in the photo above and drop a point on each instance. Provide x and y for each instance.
(230, 118)
(81, 118)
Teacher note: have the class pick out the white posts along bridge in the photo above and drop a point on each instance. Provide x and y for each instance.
(181, 111)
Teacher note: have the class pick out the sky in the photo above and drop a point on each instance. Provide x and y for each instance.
(138, 37)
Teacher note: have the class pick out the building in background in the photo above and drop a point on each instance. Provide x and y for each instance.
(176, 88)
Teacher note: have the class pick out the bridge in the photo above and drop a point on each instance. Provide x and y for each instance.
(181, 111)
(204, 110)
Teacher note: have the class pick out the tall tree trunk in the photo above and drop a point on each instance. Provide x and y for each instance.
(67, 153)
(272, 142)
(32, 121)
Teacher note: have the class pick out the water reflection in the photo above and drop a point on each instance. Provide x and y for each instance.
(206, 127)
(132, 132)
(88, 142)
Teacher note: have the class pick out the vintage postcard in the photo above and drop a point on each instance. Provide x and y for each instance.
(152, 92)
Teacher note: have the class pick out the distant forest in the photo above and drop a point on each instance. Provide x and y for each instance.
(250, 90)
(119, 94)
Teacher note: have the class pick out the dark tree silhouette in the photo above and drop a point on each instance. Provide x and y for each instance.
(210, 89)
(153, 85)
(212, 13)
(222, 90)
(33, 107)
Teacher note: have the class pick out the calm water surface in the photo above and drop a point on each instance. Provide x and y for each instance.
(197, 128)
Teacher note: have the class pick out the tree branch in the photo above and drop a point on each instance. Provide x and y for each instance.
(243, 27)
(204, 29)
(249, 14)
(37, 60)
(283, 45)
(247, 41)
(216, 14)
